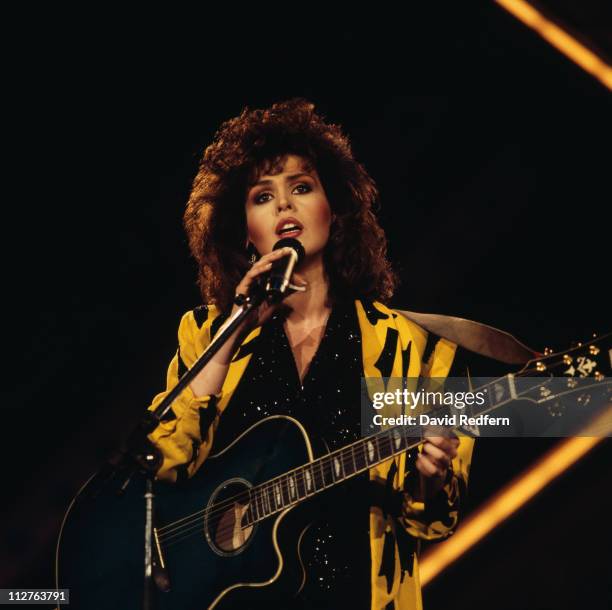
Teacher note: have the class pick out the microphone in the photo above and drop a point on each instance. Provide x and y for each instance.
(280, 273)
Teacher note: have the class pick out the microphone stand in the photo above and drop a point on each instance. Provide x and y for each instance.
(141, 456)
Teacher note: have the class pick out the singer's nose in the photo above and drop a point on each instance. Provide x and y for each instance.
(284, 203)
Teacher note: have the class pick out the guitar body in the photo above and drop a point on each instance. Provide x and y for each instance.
(210, 560)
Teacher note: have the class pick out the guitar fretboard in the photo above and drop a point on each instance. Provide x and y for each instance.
(331, 469)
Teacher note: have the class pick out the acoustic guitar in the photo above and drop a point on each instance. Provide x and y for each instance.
(230, 536)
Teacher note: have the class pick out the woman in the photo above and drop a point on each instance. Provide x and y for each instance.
(285, 172)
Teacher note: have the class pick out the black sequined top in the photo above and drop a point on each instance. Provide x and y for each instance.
(336, 548)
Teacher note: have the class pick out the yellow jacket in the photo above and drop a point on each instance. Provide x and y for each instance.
(386, 336)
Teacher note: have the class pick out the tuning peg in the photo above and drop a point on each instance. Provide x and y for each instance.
(593, 350)
(584, 400)
(548, 351)
(545, 392)
(555, 409)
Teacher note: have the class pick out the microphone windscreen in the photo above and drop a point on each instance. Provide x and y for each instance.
(291, 242)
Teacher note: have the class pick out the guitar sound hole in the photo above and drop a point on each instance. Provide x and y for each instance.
(226, 524)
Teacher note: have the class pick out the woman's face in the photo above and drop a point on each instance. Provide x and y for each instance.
(291, 203)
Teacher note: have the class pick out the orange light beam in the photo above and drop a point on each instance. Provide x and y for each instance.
(504, 503)
(560, 39)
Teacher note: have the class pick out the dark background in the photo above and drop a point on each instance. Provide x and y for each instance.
(492, 154)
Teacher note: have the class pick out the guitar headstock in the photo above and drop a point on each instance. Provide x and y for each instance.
(584, 370)
(590, 359)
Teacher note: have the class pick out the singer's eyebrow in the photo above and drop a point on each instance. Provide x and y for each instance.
(289, 178)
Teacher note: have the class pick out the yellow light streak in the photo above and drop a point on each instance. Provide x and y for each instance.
(513, 496)
(560, 39)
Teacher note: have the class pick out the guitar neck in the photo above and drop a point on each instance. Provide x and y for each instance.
(338, 466)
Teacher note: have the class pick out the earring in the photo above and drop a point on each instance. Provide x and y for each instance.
(251, 253)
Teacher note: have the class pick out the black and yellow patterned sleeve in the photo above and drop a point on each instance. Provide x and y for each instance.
(438, 516)
(185, 433)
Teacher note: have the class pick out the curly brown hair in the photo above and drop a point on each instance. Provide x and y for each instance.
(256, 142)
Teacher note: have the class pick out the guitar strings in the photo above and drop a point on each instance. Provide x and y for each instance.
(326, 468)
(186, 530)
(176, 532)
(325, 462)
(193, 521)
(322, 461)
(245, 498)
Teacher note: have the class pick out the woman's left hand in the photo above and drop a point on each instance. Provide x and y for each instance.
(435, 459)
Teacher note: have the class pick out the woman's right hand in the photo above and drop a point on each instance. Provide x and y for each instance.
(210, 379)
(262, 313)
